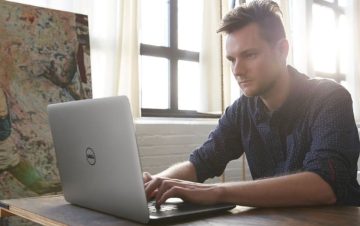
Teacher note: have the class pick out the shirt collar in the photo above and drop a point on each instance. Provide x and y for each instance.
(261, 112)
(292, 105)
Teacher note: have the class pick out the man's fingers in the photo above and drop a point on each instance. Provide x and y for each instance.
(190, 192)
(164, 188)
(151, 186)
(152, 195)
(175, 191)
(147, 177)
(174, 188)
(166, 185)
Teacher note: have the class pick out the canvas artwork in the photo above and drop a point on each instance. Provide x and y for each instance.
(44, 58)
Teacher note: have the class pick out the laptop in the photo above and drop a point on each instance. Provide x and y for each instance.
(99, 164)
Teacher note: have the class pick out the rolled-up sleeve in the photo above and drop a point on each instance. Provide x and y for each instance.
(334, 148)
(222, 146)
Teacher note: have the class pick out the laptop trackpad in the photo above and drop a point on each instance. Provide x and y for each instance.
(174, 201)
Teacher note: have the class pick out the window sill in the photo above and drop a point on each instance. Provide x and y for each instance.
(175, 121)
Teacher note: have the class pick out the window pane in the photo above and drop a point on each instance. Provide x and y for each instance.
(247, 1)
(344, 43)
(188, 85)
(324, 39)
(154, 82)
(343, 3)
(155, 22)
(189, 24)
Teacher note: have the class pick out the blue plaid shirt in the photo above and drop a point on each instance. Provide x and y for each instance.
(313, 131)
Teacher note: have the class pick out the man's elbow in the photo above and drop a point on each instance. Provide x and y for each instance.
(330, 199)
(327, 196)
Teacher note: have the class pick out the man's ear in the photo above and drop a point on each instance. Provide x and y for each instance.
(282, 48)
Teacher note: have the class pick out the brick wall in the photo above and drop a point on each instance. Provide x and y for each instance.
(163, 143)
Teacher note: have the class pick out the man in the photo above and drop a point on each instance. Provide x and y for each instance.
(298, 134)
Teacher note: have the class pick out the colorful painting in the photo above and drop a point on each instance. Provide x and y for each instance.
(44, 58)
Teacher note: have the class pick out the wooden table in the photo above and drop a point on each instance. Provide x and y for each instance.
(55, 211)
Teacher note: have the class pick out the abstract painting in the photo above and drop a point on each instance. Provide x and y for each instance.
(44, 58)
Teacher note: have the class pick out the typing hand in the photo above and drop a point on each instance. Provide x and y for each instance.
(147, 177)
(163, 188)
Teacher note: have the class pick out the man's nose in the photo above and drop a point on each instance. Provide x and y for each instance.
(238, 68)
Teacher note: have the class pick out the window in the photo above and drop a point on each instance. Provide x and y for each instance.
(169, 64)
(328, 38)
(319, 31)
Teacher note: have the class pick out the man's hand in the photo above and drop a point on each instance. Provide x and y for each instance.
(310, 189)
(163, 188)
(147, 177)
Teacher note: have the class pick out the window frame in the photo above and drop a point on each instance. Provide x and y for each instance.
(173, 54)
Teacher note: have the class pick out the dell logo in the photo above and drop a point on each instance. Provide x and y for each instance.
(90, 156)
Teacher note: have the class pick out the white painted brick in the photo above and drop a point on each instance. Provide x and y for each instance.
(180, 139)
(165, 150)
(237, 163)
(213, 180)
(247, 171)
(164, 143)
(174, 127)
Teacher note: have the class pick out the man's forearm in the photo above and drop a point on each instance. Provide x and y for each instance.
(183, 171)
(292, 190)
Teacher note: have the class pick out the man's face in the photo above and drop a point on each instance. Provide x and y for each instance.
(254, 62)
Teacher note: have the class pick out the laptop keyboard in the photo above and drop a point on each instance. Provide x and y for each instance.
(176, 207)
(163, 208)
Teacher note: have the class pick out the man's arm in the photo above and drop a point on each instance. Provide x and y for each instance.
(211, 158)
(299, 189)
(182, 171)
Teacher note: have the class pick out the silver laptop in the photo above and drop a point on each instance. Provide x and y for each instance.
(99, 163)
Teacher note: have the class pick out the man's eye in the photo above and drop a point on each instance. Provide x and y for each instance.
(231, 60)
(251, 55)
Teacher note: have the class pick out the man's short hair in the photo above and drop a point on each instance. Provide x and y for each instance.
(265, 13)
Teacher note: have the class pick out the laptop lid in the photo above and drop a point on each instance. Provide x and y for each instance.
(97, 156)
(98, 160)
